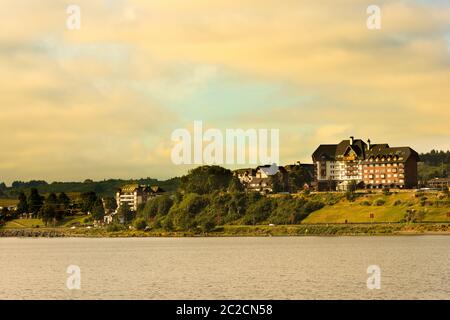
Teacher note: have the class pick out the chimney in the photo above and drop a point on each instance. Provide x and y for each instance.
(368, 144)
(352, 138)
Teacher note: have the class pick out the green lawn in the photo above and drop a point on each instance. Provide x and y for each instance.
(8, 202)
(32, 223)
(24, 223)
(356, 212)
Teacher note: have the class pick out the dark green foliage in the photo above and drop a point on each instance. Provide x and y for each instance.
(183, 214)
(235, 185)
(206, 223)
(352, 186)
(379, 202)
(35, 201)
(52, 199)
(48, 213)
(140, 223)
(114, 227)
(98, 211)
(124, 213)
(350, 196)
(156, 206)
(288, 211)
(5, 214)
(297, 178)
(110, 204)
(87, 201)
(63, 201)
(279, 183)
(22, 206)
(101, 188)
(259, 211)
(206, 179)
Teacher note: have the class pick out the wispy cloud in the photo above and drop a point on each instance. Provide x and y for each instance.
(101, 101)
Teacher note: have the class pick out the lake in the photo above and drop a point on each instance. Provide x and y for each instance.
(412, 267)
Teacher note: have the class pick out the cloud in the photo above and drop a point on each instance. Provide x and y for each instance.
(102, 101)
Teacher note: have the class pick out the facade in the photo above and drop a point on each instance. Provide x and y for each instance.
(135, 194)
(439, 183)
(260, 179)
(371, 166)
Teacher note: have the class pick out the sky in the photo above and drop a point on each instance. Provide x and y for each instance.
(102, 101)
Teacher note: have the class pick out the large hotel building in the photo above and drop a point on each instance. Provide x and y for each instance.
(369, 165)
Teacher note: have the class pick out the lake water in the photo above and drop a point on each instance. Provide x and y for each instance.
(412, 267)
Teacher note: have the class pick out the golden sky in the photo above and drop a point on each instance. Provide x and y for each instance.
(102, 101)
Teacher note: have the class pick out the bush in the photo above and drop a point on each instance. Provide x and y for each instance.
(365, 203)
(379, 202)
(87, 220)
(140, 223)
(397, 202)
(350, 196)
(259, 211)
(114, 227)
(206, 223)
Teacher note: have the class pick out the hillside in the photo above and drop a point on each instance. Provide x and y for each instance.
(430, 207)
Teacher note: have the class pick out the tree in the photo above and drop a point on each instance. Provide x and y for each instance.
(156, 206)
(48, 213)
(98, 211)
(34, 201)
(124, 213)
(206, 223)
(259, 211)
(205, 179)
(87, 201)
(235, 185)
(63, 201)
(297, 178)
(22, 206)
(110, 204)
(184, 213)
(5, 214)
(140, 224)
(52, 199)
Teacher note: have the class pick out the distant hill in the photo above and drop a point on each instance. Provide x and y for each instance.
(434, 164)
(102, 188)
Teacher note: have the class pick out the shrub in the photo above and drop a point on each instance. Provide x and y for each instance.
(206, 223)
(397, 202)
(351, 196)
(87, 220)
(114, 227)
(140, 223)
(379, 202)
(365, 203)
(259, 211)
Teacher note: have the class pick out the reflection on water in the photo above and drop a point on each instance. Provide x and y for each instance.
(412, 267)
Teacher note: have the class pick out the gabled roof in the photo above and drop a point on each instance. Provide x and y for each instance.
(338, 151)
(401, 152)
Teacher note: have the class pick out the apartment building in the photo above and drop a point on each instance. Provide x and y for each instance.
(370, 166)
(135, 194)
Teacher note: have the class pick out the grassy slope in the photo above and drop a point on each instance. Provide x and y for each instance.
(31, 223)
(355, 212)
(8, 202)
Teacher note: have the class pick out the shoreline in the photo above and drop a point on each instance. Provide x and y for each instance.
(397, 229)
